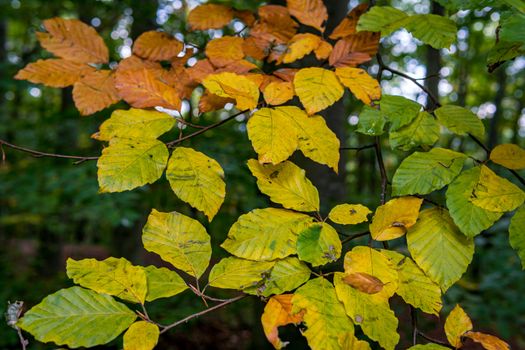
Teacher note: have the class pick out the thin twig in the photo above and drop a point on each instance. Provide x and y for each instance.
(36, 153)
(360, 148)
(433, 340)
(413, 316)
(182, 121)
(23, 342)
(352, 237)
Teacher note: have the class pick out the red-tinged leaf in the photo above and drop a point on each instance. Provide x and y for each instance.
(364, 282)
(342, 56)
(245, 16)
(179, 78)
(275, 25)
(309, 12)
(255, 47)
(95, 91)
(286, 74)
(200, 70)
(181, 61)
(157, 46)
(238, 67)
(278, 312)
(134, 62)
(73, 40)
(225, 50)
(489, 342)
(54, 72)
(348, 25)
(210, 102)
(209, 16)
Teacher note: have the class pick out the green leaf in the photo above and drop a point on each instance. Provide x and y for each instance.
(439, 248)
(324, 316)
(422, 131)
(163, 283)
(135, 124)
(179, 240)
(517, 233)
(141, 335)
(494, 193)
(504, 51)
(436, 31)
(384, 19)
(77, 317)
(286, 184)
(265, 234)
(235, 273)
(518, 4)
(415, 287)
(112, 276)
(197, 179)
(398, 110)
(126, 164)
(425, 172)
(469, 218)
(512, 28)
(372, 313)
(319, 244)
(460, 121)
(371, 122)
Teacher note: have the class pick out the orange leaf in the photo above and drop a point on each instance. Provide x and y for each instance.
(73, 40)
(256, 47)
(278, 93)
(364, 282)
(210, 102)
(141, 89)
(278, 312)
(367, 42)
(180, 80)
(225, 50)
(275, 24)
(54, 72)
(95, 91)
(157, 46)
(238, 67)
(362, 85)
(323, 51)
(209, 16)
(488, 341)
(200, 70)
(134, 62)
(245, 16)
(181, 61)
(348, 25)
(286, 74)
(343, 56)
(309, 12)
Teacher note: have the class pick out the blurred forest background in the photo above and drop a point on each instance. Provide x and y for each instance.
(50, 208)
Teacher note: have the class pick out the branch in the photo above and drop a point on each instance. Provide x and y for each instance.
(358, 149)
(382, 170)
(38, 154)
(352, 237)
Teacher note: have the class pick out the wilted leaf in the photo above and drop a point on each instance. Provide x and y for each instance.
(392, 219)
(163, 283)
(277, 93)
(157, 46)
(460, 120)
(141, 335)
(235, 273)
(300, 46)
(54, 72)
(509, 155)
(489, 342)
(309, 12)
(517, 233)
(349, 214)
(319, 244)
(243, 90)
(225, 50)
(456, 325)
(278, 312)
(95, 91)
(317, 88)
(209, 16)
(362, 85)
(364, 282)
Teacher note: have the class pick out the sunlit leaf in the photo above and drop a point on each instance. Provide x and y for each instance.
(456, 325)
(243, 90)
(54, 72)
(309, 12)
(517, 233)
(460, 120)
(362, 85)
(300, 46)
(422, 131)
(399, 110)
(141, 335)
(235, 273)
(489, 342)
(436, 31)
(509, 155)
(95, 91)
(392, 219)
(209, 16)
(278, 312)
(349, 214)
(157, 46)
(319, 244)
(163, 283)
(225, 50)
(317, 88)
(384, 19)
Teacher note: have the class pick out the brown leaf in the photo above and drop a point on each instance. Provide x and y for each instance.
(275, 24)
(364, 282)
(225, 50)
(209, 16)
(95, 91)
(200, 70)
(157, 46)
(135, 62)
(278, 312)
(73, 40)
(210, 102)
(238, 67)
(367, 42)
(488, 341)
(245, 16)
(348, 25)
(181, 61)
(180, 80)
(343, 55)
(309, 12)
(54, 72)
(286, 74)
(257, 48)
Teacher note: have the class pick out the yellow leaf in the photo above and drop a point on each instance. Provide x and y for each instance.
(456, 325)
(362, 85)
(509, 155)
(286, 184)
(348, 341)
(300, 46)
(489, 342)
(349, 214)
(141, 335)
(277, 93)
(95, 91)
(243, 90)
(323, 51)
(197, 179)
(494, 193)
(273, 135)
(309, 12)
(235, 273)
(163, 283)
(364, 282)
(317, 88)
(392, 219)
(209, 16)
(225, 50)
(157, 46)
(278, 312)
(73, 40)
(54, 72)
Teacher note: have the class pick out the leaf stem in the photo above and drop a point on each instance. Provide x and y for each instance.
(39, 154)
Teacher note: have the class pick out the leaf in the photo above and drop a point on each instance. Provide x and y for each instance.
(384, 19)
(112, 276)
(509, 155)
(179, 240)
(126, 164)
(235, 273)
(323, 51)
(209, 16)
(197, 179)
(135, 124)
(364, 282)
(301, 45)
(469, 218)
(319, 244)
(210, 102)
(317, 88)
(415, 287)
(494, 193)
(373, 314)
(349, 214)
(347, 52)
(309, 12)
(141, 335)
(439, 248)
(429, 346)
(348, 341)
(225, 50)
(78, 317)
(392, 219)
(371, 122)
(278, 312)
(512, 28)
(243, 90)
(517, 233)
(73, 40)
(488, 341)
(273, 134)
(456, 325)
(275, 25)
(425, 172)
(286, 275)
(277, 93)
(95, 91)
(54, 72)
(265, 234)
(157, 46)
(163, 283)
(398, 110)
(362, 85)
(460, 121)
(324, 316)
(436, 31)
(422, 131)
(286, 184)
(347, 26)
(503, 51)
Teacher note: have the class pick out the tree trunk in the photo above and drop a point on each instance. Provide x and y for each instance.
(433, 58)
